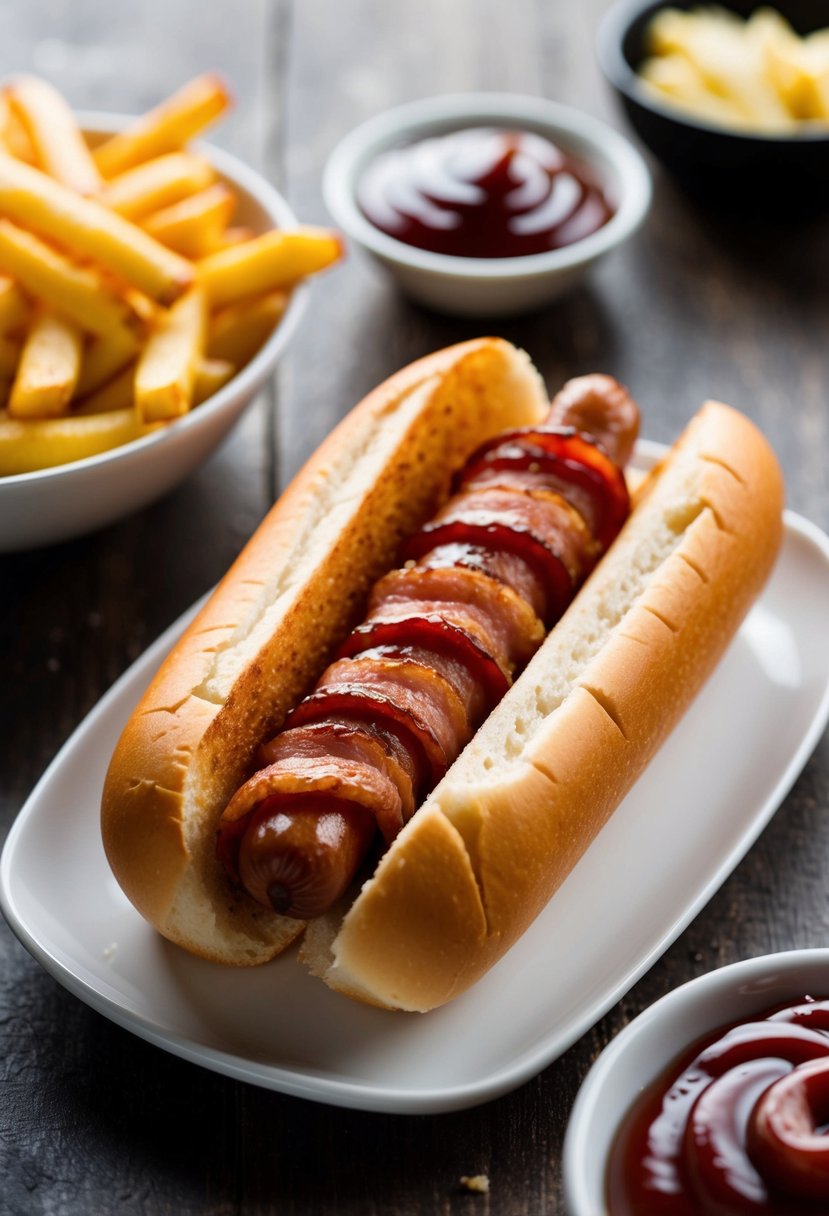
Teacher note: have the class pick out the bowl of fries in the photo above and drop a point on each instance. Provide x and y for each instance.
(733, 97)
(148, 286)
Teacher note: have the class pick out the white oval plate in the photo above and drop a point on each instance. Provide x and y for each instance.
(674, 840)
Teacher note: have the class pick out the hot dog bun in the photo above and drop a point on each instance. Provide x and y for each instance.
(271, 624)
(521, 804)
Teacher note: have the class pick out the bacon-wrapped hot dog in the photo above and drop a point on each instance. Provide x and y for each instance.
(454, 464)
(389, 717)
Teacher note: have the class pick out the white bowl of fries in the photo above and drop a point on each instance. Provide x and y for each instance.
(139, 314)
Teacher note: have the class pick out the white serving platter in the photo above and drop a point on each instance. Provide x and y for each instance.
(682, 830)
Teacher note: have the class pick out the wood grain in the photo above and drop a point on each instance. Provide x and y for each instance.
(94, 1120)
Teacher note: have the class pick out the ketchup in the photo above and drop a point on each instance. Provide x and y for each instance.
(737, 1125)
(483, 193)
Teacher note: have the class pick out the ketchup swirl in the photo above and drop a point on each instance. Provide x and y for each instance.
(738, 1125)
(483, 193)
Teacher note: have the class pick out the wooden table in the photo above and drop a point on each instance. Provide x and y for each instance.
(94, 1120)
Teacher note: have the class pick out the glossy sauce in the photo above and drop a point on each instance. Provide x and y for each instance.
(483, 193)
(737, 1125)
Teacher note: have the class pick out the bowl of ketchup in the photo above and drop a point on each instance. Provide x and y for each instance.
(486, 204)
(713, 1102)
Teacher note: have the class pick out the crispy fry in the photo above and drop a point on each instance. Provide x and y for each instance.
(195, 226)
(44, 442)
(109, 260)
(104, 358)
(167, 127)
(69, 289)
(157, 183)
(211, 374)
(116, 394)
(235, 236)
(9, 357)
(13, 137)
(58, 144)
(674, 78)
(14, 307)
(269, 262)
(237, 332)
(48, 370)
(91, 230)
(144, 308)
(756, 74)
(788, 66)
(165, 375)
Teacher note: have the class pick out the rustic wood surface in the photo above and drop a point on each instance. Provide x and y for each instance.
(91, 1118)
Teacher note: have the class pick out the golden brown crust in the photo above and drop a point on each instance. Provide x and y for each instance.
(560, 752)
(269, 627)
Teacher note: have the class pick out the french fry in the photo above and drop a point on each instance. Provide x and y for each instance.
(9, 357)
(235, 236)
(116, 394)
(706, 40)
(211, 375)
(166, 128)
(14, 307)
(13, 137)
(818, 51)
(787, 63)
(156, 183)
(754, 74)
(236, 333)
(58, 144)
(91, 230)
(69, 289)
(673, 78)
(103, 358)
(269, 262)
(195, 226)
(144, 308)
(41, 443)
(48, 370)
(110, 259)
(5, 119)
(165, 375)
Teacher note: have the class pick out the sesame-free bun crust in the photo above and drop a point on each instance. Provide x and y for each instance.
(268, 629)
(524, 800)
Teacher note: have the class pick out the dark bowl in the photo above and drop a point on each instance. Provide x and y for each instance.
(759, 174)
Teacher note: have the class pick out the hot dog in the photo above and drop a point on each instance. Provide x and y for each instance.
(511, 816)
(395, 709)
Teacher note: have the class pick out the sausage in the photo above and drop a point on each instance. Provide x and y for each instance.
(531, 513)
(599, 406)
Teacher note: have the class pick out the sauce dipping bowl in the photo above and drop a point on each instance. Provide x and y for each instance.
(477, 287)
(68, 500)
(771, 175)
(647, 1047)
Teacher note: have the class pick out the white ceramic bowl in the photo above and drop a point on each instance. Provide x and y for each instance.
(68, 500)
(646, 1047)
(488, 286)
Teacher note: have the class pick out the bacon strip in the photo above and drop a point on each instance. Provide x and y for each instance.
(560, 460)
(514, 631)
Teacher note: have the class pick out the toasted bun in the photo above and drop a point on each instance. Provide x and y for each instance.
(270, 626)
(521, 804)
